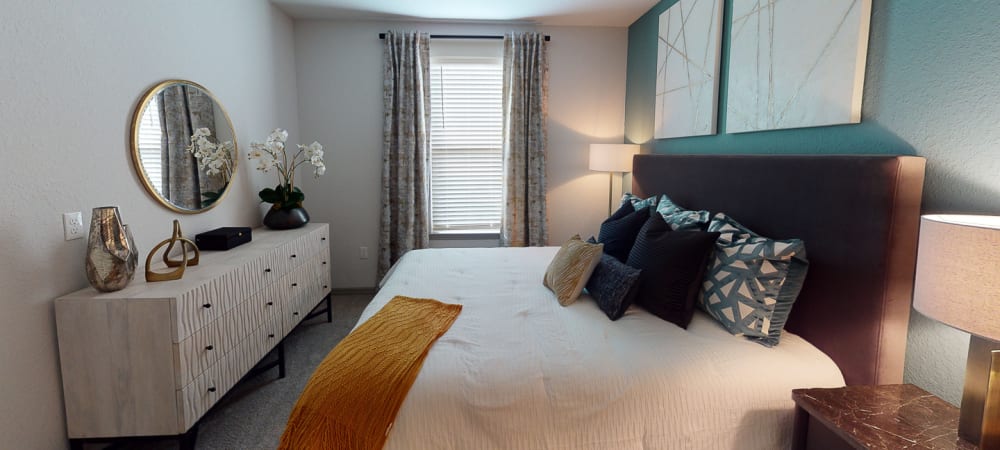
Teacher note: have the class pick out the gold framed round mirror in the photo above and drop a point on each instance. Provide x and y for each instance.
(184, 146)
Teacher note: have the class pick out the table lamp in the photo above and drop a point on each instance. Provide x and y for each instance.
(612, 158)
(958, 283)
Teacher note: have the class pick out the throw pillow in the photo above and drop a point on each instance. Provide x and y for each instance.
(753, 281)
(613, 286)
(571, 268)
(673, 265)
(638, 202)
(680, 218)
(618, 232)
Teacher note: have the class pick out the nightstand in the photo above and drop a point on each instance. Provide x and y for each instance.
(874, 417)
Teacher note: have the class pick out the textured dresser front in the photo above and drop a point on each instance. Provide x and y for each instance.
(153, 358)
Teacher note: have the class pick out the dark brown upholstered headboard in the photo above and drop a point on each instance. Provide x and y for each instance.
(858, 216)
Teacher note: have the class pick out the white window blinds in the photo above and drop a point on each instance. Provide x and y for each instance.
(466, 176)
(150, 143)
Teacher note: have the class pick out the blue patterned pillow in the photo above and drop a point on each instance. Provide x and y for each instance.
(613, 286)
(680, 218)
(752, 283)
(639, 203)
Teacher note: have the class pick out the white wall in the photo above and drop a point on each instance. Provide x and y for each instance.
(339, 69)
(70, 75)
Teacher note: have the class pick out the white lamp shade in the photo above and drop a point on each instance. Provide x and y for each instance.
(958, 272)
(612, 157)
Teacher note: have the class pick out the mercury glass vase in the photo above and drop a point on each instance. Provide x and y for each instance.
(111, 252)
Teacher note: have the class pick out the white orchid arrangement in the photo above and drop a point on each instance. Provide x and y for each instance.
(271, 154)
(213, 159)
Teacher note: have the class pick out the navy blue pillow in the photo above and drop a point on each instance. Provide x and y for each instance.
(673, 264)
(618, 232)
(613, 286)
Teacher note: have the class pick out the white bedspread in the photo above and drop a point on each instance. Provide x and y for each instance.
(516, 370)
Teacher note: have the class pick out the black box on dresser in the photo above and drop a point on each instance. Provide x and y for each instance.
(223, 238)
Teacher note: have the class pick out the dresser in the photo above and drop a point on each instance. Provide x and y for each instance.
(151, 359)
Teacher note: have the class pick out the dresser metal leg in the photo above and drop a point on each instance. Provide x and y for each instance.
(325, 309)
(281, 359)
(186, 441)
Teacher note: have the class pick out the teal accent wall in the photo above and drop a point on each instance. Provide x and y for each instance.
(866, 137)
(932, 88)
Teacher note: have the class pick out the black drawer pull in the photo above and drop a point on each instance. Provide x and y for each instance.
(209, 347)
(295, 313)
(211, 389)
(270, 335)
(270, 303)
(325, 286)
(324, 263)
(293, 255)
(295, 284)
(268, 270)
(322, 238)
(207, 305)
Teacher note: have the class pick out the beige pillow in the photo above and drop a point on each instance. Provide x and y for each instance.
(571, 268)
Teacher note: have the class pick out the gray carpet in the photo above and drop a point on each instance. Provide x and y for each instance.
(253, 414)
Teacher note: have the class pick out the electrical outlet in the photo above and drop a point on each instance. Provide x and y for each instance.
(72, 225)
(363, 252)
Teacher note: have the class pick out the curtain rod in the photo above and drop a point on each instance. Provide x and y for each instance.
(465, 36)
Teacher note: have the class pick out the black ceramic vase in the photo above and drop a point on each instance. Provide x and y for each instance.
(285, 219)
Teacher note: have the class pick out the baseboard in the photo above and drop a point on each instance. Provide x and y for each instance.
(354, 291)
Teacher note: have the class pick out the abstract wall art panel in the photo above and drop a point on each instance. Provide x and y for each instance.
(687, 68)
(796, 63)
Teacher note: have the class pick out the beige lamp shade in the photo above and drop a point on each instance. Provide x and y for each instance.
(958, 272)
(612, 157)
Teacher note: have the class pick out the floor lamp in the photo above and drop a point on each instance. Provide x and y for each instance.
(612, 158)
(958, 283)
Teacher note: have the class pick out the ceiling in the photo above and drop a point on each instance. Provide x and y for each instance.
(610, 13)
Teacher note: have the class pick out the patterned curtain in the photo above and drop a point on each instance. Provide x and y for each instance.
(525, 103)
(184, 109)
(406, 99)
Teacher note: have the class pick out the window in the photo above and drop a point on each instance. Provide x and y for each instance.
(466, 176)
(149, 144)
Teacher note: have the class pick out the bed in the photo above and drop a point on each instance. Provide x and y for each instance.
(517, 370)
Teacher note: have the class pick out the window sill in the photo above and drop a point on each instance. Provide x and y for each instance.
(465, 236)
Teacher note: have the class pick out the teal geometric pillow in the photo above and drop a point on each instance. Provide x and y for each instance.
(753, 282)
(639, 203)
(679, 218)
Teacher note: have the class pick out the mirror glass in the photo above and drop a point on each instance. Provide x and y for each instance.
(184, 146)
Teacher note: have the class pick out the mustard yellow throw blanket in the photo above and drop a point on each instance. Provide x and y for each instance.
(352, 398)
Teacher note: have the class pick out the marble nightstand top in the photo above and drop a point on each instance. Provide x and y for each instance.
(900, 416)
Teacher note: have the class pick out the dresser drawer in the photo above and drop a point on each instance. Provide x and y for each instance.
(195, 309)
(244, 319)
(298, 252)
(299, 285)
(206, 302)
(198, 396)
(266, 338)
(198, 352)
(265, 270)
(311, 244)
(321, 270)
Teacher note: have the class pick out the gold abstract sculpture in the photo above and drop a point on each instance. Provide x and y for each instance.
(176, 238)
